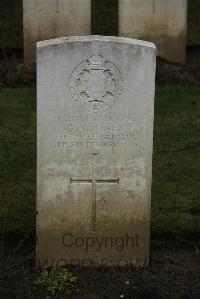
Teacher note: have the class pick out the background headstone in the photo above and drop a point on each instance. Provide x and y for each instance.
(95, 99)
(45, 19)
(163, 22)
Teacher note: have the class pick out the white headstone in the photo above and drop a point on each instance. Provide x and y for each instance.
(95, 98)
(163, 22)
(45, 19)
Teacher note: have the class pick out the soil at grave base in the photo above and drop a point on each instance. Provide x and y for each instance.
(174, 272)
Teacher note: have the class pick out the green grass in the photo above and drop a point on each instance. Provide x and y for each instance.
(104, 21)
(17, 159)
(176, 172)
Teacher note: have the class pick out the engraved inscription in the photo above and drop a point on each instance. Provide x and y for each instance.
(96, 141)
(96, 84)
(97, 131)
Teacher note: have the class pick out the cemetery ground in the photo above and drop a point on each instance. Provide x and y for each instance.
(174, 270)
(175, 249)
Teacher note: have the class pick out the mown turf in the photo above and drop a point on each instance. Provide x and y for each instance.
(17, 159)
(175, 190)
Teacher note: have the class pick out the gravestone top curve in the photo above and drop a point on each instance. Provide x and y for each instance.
(92, 38)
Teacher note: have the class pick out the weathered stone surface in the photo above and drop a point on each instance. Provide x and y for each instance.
(163, 22)
(45, 19)
(95, 99)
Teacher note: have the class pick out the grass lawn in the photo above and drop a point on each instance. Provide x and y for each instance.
(17, 159)
(175, 190)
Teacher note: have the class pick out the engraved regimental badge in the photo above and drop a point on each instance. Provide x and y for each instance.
(96, 84)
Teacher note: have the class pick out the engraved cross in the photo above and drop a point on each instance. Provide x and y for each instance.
(94, 183)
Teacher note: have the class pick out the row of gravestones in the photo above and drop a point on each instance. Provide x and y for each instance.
(159, 21)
